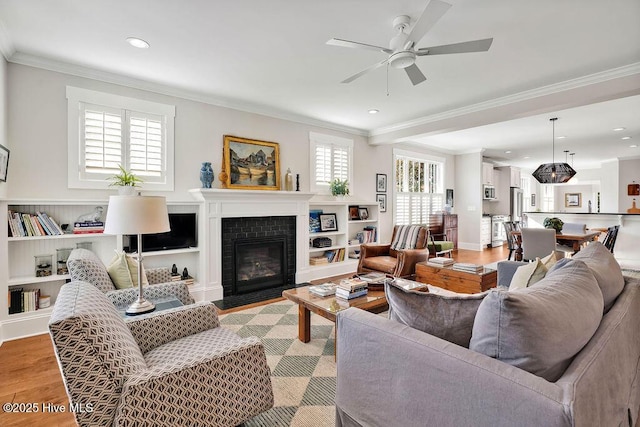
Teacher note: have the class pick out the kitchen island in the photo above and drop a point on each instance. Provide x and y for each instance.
(626, 250)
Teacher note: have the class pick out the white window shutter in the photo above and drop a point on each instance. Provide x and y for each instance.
(101, 140)
(323, 164)
(418, 190)
(146, 146)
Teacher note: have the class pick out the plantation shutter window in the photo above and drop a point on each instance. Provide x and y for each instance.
(331, 158)
(113, 131)
(419, 189)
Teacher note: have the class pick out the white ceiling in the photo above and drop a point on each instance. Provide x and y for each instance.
(271, 56)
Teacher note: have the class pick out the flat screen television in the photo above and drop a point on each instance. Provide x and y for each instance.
(183, 234)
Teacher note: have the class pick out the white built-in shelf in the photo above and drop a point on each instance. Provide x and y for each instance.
(170, 252)
(363, 221)
(23, 280)
(325, 233)
(26, 314)
(328, 248)
(60, 236)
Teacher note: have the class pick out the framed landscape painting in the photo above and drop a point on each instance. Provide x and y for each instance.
(251, 164)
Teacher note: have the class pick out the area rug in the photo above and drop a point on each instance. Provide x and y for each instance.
(303, 375)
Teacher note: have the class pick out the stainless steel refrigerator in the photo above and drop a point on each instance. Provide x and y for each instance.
(517, 202)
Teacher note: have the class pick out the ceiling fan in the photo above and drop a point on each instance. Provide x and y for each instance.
(402, 51)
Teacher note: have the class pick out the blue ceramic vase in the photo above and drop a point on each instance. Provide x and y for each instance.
(206, 175)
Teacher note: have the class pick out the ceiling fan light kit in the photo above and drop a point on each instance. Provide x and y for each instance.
(554, 173)
(402, 52)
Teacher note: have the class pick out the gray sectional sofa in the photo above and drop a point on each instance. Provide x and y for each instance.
(563, 352)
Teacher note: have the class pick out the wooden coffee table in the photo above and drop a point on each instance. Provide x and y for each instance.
(328, 307)
(456, 281)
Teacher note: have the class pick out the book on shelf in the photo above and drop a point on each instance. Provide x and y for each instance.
(88, 230)
(21, 300)
(29, 225)
(367, 235)
(323, 290)
(318, 260)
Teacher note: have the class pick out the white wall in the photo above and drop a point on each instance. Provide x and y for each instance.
(38, 124)
(468, 197)
(609, 182)
(629, 173)
(586, 191)
(4, 117)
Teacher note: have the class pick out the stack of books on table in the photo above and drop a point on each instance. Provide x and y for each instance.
(88, 227)
(351, 288)
(470, 268)
(440, 262)
(323, 290)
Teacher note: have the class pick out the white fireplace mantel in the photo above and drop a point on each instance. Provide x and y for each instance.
(221, 203)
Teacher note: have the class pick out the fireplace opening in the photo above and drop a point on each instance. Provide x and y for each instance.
(260, 263)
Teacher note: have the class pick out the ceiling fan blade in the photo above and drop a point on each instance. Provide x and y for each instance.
(415, 75)
(464, 47)
(358, 45)
(432, 14)
(363, 72)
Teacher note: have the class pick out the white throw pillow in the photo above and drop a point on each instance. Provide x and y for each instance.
(550, 260)
(118, 270)
(527, 275)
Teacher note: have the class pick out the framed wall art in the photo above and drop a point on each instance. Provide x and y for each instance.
(354, 214)
(328, 222)
(382, 199)
(572, 200)
(4, 162)
(251, 164)
(381, 183)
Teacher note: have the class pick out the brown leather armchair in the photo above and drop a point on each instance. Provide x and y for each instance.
(398, 263)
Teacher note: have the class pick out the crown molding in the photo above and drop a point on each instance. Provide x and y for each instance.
(603, 76)
(6, 46)
(162, 89)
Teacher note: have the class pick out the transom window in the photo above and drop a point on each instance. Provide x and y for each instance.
(418, 187)
(331, 158)
(106, 131)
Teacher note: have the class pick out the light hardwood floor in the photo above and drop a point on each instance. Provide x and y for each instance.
(29, 372)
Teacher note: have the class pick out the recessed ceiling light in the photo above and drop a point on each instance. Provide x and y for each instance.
(618, 129)
(626, 137)
(561, 137)
(136, 42)
(508, 152)
(526, 157)
(373, 111)
(633, 146)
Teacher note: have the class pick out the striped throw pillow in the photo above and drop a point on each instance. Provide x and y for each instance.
(406, 237)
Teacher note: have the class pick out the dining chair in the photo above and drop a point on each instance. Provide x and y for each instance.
(610, 238)
(537, 242)
(512, 241)
(571, 228)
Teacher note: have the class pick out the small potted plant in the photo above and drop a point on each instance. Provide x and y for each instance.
(125, 181)
(339, 187)
(555, 223)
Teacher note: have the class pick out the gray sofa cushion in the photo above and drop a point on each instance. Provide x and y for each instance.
(540, 328)
(445, 315)
(606, 270)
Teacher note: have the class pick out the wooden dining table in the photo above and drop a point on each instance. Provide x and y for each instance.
(575, 240)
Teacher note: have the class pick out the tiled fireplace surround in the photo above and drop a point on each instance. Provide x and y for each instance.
(217, 204)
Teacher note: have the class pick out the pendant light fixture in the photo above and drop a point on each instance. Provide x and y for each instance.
(554, 173)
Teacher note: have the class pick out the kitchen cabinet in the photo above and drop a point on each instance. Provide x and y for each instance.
(485, 232)
(515, 177)
(487, 173)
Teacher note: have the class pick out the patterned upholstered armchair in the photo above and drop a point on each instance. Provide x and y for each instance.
(176, 367)
(408, 246)
(86, 266)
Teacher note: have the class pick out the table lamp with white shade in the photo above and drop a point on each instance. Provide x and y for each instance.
(137, 215)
